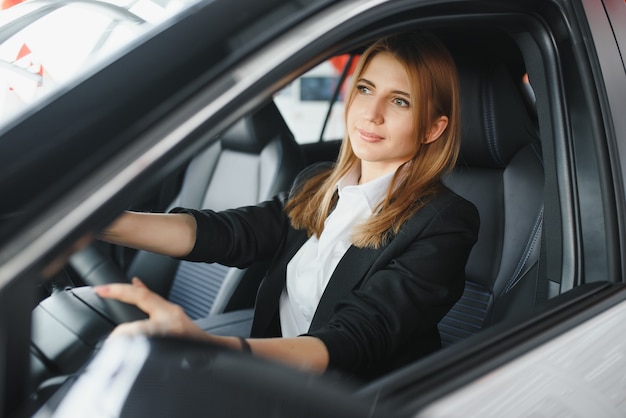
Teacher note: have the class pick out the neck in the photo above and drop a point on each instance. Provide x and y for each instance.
(372, 171)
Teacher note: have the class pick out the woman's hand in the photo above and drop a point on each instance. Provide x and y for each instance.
(168, 319)
(164, 318)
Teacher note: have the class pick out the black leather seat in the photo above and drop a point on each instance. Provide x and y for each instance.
(252, 161)
(500, 170)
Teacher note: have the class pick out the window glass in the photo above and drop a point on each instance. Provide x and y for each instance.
(305, 102)
(48, 45)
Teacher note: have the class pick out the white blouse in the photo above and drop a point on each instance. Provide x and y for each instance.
(311, 267)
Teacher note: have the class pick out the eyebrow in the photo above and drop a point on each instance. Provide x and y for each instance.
(398, 92)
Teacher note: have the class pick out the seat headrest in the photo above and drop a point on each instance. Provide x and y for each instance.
(495, 120)
(253, 132)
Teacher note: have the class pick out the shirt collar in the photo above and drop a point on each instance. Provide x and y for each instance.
(374, 191)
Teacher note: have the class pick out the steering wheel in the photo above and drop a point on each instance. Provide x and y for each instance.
(95, 268)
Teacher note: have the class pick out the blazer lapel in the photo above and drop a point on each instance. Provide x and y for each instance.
(349, 272)
(272, 286)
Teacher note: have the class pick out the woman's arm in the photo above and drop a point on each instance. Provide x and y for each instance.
(308, 353)
(173, 235)
(165, 318)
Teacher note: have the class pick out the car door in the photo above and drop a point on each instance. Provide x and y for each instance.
(577, 76)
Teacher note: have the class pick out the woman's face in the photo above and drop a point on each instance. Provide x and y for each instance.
(380, 119)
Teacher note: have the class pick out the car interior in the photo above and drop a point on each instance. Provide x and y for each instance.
(500, 169)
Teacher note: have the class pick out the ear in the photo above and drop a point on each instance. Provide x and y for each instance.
(437, 128)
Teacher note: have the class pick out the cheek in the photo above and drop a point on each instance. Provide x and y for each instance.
(349, 116)
(406, 133)
(351, 112)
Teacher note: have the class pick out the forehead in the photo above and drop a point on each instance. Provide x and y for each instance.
(385, 69)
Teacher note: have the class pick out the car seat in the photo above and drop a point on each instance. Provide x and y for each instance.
(252, 161)
(500, 170)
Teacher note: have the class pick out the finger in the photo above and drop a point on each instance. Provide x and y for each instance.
(140, 296)
(137, 282)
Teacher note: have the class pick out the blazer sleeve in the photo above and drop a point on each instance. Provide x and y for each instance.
(239, 237)
(391, 318)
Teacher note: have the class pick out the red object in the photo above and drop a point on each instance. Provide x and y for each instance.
(8, 3)
(339, 62)
(24, 50)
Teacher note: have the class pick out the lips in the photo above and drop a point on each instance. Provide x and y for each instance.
(369, 136)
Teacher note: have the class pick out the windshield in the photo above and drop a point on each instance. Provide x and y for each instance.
(44, 44)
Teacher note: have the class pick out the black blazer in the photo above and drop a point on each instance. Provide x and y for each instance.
(381, 306)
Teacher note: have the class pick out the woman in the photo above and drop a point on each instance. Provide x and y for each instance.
(366, 255)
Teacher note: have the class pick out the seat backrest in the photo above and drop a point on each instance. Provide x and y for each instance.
(500, 170)
(252, 161)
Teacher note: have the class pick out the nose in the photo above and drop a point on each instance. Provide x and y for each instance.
(373, 111)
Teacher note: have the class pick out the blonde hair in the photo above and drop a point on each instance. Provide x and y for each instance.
(434, 84)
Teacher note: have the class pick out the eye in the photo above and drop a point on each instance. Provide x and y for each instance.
(363, 89)
(400, 102)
